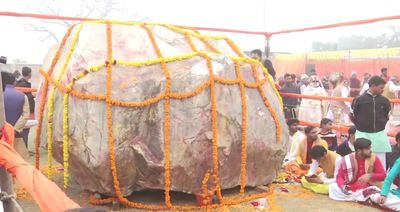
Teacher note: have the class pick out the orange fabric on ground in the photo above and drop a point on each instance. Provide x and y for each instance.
(293, 169)
(47, 194)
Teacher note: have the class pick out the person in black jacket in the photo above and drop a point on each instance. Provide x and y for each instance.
(370, 115)
(347, 147)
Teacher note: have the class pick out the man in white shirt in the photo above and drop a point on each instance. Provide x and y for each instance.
(391, 91)
(295, 138)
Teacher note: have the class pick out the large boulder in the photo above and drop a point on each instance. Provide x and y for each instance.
(138, 131)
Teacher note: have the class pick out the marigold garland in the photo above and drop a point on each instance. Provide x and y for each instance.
(167, 157)
(94, 201)
(51, 103)
(190, 42)
(214, 125)
(166, 96)
(65, 139)
(278, 127)
(234, 47)
(44, 95)
(244, 129)
(209, 46)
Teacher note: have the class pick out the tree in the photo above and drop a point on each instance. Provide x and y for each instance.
(97, 9)
(320, 46)
(386, 40)
(19, 61)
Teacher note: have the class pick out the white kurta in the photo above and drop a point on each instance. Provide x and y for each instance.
(294, 144)
(313, 110)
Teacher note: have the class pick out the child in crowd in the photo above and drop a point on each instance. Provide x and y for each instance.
(327, 134)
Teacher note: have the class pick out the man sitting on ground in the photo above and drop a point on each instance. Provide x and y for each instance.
(347, 147)
(296, 137)
(301, 165)
(389, 198)
(358, 173)
(392, 156)
(329, 162)
(327, 133)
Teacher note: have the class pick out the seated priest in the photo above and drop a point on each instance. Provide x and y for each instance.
(301, 165)
(329, 162)
(359, 175)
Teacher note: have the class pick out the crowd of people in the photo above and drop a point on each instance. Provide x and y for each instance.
(335, 85)
(363, 167)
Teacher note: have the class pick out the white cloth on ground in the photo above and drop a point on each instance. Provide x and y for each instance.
(392, 201)
(336, 193)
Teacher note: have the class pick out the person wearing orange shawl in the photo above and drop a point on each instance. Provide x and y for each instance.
(46, 193)
(301, 165)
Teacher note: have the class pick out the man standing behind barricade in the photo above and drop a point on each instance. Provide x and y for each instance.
(290, 103)
(304, 82)
(371, 113)
(391, 91)
(16, 107)
(313, 110)
(355, 85)
(256, 54)
(24, 82)
(270, 68)
(365, 85)
(338, 109)
(384, 74)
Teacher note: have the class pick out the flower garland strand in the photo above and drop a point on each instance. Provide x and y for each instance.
(44, 96)
(190, 42)
(111, 146)
(209, 46)
(214, 125)
(244, 129)
(66, 134)
(167, 150)
(65, 139)
(237, 50)
(278, 127)
(51, 103)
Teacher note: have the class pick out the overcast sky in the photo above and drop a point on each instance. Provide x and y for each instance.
(257, 15)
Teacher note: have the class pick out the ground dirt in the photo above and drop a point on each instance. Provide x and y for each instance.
(296, 199)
